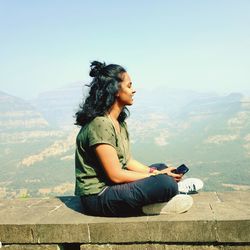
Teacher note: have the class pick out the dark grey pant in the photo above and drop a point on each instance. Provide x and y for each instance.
(127, 199)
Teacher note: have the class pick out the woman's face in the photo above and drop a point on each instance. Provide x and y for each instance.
(126, 92)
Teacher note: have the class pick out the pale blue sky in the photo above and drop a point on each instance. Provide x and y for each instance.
(189, 44)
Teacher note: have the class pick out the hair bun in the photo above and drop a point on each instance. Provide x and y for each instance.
(96, 68)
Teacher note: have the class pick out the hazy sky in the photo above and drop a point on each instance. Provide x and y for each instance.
(189, 44)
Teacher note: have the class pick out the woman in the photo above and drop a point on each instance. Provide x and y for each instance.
(108, 180)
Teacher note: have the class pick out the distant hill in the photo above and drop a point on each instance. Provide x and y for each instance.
(33, 151)
(208, 132)
(17, 114)
(59, 106)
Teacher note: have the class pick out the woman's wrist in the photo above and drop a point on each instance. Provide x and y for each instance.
(153, 171)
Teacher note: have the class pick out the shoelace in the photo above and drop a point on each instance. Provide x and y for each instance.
(190, 188)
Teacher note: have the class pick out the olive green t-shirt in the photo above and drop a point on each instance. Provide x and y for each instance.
(90, 175)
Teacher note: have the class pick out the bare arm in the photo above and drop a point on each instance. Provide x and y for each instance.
(137, 166)
(108, 158)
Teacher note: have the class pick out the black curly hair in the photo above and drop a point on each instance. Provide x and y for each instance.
(102, 93)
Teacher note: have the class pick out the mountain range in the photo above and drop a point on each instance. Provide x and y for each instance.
(208, 132)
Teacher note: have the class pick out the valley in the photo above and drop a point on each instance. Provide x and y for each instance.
(208, 132)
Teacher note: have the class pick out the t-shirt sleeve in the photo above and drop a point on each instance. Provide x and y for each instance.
(101, 131)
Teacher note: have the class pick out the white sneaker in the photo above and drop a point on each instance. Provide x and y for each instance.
(190, 185)
(178, 204)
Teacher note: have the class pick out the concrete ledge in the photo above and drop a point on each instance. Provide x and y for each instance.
(162, 247)
(31, 247)
(215, 218)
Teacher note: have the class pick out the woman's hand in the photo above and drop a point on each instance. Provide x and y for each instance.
(169, 171)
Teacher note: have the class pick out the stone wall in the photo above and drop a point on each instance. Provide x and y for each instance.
(216, 221)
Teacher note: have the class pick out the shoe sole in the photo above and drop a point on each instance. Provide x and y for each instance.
(177, 205)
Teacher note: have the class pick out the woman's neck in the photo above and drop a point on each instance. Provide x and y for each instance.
(115, 111)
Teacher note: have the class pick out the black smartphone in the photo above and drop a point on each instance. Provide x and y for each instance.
(182, 169)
